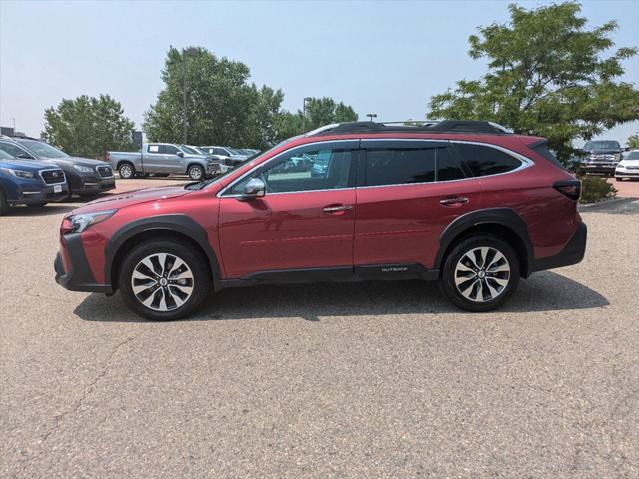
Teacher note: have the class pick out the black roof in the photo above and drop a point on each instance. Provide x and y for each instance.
(445, 126)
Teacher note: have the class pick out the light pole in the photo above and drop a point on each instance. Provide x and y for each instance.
(371, 116)
(308, 98)
(184, 92)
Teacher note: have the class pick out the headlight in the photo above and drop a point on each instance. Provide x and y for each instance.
(80, 223)
(83, 169)
(19, 173)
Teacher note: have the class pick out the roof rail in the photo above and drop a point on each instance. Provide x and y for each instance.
(412, 126)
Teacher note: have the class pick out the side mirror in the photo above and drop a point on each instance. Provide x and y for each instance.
(255, 188)
(180, 154)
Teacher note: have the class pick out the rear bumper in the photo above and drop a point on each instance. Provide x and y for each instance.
(77, 276)
(572, 253)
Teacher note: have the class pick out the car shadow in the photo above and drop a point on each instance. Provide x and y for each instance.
(49, 209)
(544, 291)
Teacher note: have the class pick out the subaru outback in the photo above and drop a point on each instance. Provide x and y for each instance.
(466, 203)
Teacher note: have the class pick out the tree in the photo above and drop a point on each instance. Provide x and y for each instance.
(88, 126)
(319, 112)
(222, 107)
(633, 142)
(546, 76)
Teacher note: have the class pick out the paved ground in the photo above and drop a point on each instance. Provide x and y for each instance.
(333, 380)
(626, 188)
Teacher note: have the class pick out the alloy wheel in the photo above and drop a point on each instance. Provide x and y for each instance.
(126, 171)
(162, 282)
(195, 173)
(482, 274)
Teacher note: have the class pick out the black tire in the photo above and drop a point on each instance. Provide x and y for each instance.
(619, 179)
(4, 204)
(196, 172)
(480, 295)
(126, 171)
(201, 281)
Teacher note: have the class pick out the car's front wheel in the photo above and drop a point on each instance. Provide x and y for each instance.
(480, 273)
(164, 280)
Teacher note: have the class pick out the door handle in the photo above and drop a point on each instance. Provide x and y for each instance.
(456, 201)
(337, 208)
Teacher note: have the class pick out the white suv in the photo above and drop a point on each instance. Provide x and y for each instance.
(628, 167)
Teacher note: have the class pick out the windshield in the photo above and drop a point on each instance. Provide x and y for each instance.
(42, 149)
(5, 156)
(189, 150)
(633, 155)
(602, 145)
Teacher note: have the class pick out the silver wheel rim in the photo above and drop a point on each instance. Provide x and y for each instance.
(162, 282)
(482, 274)
(196, 173)
(126, 172)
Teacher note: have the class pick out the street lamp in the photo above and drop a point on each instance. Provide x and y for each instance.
(308, 98)
(371, 116)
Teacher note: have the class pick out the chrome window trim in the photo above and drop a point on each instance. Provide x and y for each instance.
(64, 177)
(525, 163)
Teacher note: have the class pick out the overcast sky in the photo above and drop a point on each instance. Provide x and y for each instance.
(386, 58)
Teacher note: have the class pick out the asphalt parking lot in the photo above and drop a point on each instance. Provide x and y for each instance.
(330, 380)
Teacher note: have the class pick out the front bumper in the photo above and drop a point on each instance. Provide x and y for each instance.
(627, 174)
(33, 196)
(572, 253)
(91, 186)
(605, 168)
(72, 270)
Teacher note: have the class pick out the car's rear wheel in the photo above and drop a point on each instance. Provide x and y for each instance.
(164, 280)
(126, 170)
(480, 273)
(196, 172)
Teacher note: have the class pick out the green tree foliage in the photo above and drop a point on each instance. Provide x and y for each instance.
(88, 126)
(547, 76)
(633, 142)
(224, 108)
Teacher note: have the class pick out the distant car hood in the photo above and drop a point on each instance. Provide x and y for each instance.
(131, 198)
(624, 163)
(28, 165)
(72, 160)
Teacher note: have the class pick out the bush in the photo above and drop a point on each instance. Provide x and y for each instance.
(596, 188)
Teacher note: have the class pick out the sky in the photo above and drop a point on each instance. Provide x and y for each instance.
(386, 58)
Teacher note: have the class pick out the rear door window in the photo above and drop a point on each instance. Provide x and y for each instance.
(483, 160)
(399, 166)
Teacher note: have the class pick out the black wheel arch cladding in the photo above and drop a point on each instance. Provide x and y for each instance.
(178, 223)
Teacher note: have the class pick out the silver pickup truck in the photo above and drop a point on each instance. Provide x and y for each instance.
(162, 159)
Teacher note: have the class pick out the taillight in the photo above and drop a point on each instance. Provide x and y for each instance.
(569, 188)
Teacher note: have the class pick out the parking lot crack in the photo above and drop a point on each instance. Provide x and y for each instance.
(83, 397)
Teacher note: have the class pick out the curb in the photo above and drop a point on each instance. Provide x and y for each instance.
(602, 204)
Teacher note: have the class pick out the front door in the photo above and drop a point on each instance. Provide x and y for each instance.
(305, 220)
(409, 192)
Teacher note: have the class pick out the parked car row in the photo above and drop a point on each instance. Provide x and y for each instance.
(35, 173)
(163, 159)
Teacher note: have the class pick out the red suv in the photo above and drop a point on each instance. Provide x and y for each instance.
(462, 202)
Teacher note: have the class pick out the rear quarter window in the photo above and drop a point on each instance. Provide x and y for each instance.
(542, 150)
(483, 160)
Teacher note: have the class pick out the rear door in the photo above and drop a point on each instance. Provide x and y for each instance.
(304, 221)
(408, 192)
